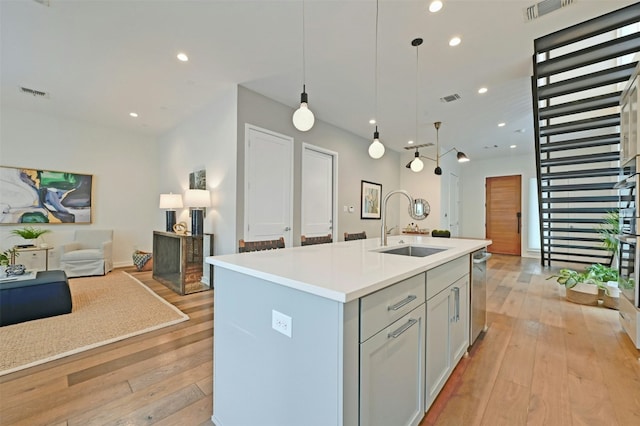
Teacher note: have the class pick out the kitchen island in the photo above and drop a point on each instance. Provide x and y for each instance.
(338, 334)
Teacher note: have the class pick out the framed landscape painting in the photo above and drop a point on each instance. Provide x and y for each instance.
(44, 196)
(370, 194)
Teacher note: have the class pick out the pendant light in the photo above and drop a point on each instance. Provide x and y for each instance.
(417, 165)
(437, 170)
(376, 149)
(303, 118)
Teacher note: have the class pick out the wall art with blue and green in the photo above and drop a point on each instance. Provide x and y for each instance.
(44, 196)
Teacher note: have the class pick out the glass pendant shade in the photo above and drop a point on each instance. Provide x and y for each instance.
(376, 149)
(303, 118)
(417, 165)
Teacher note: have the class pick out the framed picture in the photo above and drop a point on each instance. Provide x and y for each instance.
(370, 200)
(44, 196)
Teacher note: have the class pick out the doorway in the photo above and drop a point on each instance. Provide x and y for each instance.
(318, 191)
(454, 204)
(268, 185)
(504, 214)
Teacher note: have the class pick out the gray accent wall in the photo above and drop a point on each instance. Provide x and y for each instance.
(354, 163)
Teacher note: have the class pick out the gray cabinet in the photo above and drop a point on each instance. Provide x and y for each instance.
(392, 354)
(447, 331)
(391, 373)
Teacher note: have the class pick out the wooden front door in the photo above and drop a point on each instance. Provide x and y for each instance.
(503, 214)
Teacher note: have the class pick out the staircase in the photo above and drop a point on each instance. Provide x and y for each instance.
(579, 73)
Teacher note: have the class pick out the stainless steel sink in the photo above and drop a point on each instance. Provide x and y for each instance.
(414, 251)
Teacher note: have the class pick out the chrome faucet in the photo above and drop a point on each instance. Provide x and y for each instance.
(383, 230)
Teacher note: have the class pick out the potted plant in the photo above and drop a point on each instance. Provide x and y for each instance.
(5, 256)
(29, 233)
(586, 288)
(608, 231)
(5, 259)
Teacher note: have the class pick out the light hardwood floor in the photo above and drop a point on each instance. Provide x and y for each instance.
(544, 361)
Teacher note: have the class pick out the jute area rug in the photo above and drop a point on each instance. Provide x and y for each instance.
(105, 310)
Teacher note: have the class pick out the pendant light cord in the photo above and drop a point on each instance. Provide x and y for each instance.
(417, 62)
(376, 67)
(304, 68)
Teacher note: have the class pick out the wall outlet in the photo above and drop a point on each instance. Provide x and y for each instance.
(281, 323)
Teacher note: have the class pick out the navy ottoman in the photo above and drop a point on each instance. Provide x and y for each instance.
(44, 296)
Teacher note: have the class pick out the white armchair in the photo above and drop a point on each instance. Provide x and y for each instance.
(89, 254)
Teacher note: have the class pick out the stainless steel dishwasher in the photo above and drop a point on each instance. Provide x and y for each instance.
(478, 293)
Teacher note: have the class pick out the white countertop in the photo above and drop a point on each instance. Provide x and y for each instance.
(345, 271)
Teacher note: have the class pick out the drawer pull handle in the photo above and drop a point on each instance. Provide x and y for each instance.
(402, 329)
(401, 303)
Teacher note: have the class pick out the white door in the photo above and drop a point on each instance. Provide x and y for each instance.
(268, 183)
(454, 205)
(318, 191)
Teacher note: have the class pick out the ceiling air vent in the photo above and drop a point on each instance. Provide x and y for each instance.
(450, 98)
(423, 145)
(33, 92)
(545, 7)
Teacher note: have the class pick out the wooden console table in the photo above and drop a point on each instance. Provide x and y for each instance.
(178, 261)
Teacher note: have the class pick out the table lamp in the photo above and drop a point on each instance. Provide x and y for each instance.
(170, 202)
(197, 200)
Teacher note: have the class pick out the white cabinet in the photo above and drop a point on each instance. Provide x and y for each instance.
(391, 373)
(438, 362)
(392, 354)
(460, 319)
(33, 258)
(447, 331)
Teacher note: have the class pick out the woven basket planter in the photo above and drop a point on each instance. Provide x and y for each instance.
(583, 294)
(611, 300)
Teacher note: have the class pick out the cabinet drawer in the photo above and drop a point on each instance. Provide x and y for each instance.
(385, 306)
(444, 275)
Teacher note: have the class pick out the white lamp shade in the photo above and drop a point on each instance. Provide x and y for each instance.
(417, 165)
(303, 118)
(376, 149)
(170, 201)
(197, 198)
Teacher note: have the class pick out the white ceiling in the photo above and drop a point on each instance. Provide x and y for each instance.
(101, 59)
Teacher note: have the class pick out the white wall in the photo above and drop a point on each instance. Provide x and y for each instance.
(206, 141)
(433, 188)
(123, 165)
(473, 192)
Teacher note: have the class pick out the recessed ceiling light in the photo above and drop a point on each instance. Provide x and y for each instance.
(482, 90)
(513, 146)
(435, 6)
(133, 114)
(454, 41)
(372, 121)
(182, 57)
(410, 142)
(502, 124)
